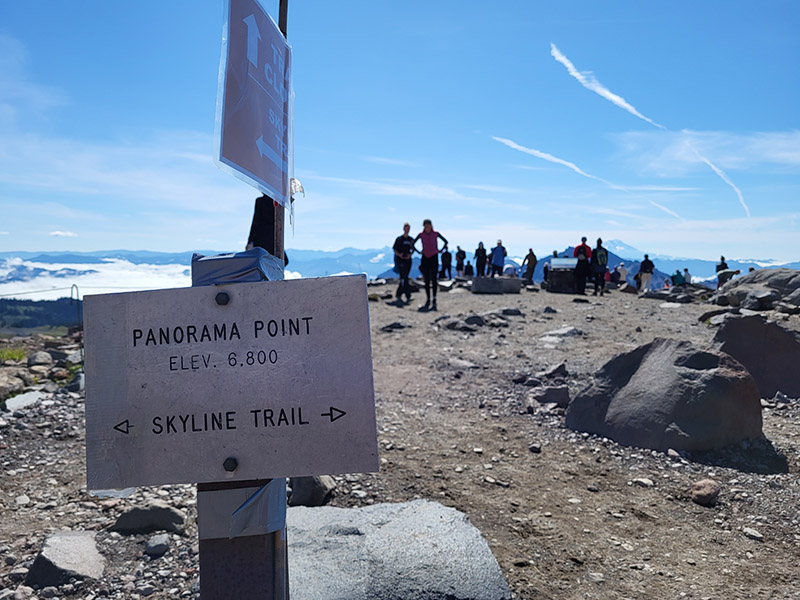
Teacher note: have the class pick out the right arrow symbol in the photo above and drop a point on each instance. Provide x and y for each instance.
(334, 414)
(123, 427)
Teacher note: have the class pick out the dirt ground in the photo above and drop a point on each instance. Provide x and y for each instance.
(567, 515)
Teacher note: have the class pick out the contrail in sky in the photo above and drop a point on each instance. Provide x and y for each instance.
(560, 161)
(722, 176)
(588, 80)
(666, 210)
(552, 159)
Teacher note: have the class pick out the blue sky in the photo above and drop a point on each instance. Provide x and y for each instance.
(671, 126)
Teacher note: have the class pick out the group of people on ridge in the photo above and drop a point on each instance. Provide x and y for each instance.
(591, 264)
(405, 246)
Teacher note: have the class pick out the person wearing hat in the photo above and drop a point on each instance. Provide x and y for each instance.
(498, 258)
(582, 269)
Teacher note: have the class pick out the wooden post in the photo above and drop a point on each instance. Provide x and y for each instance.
(256, 566)
(283, 16)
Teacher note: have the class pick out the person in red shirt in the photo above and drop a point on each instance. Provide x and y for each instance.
(584, 254)
(430, 260)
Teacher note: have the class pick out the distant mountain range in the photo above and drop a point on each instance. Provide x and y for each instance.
(19, 268)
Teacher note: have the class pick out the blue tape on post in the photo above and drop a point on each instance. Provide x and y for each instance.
(266, 510)
(239, 267)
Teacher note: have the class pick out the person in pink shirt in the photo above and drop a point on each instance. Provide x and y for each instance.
(430, 260)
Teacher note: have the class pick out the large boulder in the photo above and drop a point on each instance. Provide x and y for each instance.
(770, 352)
(760, 289)
(670, 394)
(487, 285)
(418, 549)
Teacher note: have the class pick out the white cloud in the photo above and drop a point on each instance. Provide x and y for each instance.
(63, 234)
(588, 80)
(109, 277)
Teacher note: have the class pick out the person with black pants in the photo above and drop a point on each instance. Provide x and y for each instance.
(403, 249)
(480, 259)
(430, 260)
(584, 254)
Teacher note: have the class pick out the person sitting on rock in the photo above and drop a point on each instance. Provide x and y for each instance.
(468, 270)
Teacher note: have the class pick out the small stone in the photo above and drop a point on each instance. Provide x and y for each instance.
(157, 545)
(478, 450)
(521, 562)
(535, 448)
(595, 577)
(643, 482)
(23, 500)
(574, 500)
(146, 590)
(752, 534)
(705, 492)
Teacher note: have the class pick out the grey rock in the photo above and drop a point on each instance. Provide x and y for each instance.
(311, 491)
(511, 285)
(394, 327)
(23, 401)
(487, 285)
(24, 592)
(566, 331)
(157, 545)
(460, 363)
(512, 312)
(768, 284)
(10, 384)
(549, 310)
(154, 516)
(458, 325)
(770, 352)
(753, 534)
(475, 320)
(77, 384)
(6, 594)
(66, 555)
(670, 394)
(559, 370)
(420, 550)
(557, 395)
(74, 358)
(40, 358)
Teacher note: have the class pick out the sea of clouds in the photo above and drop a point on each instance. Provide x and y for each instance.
(110, 276)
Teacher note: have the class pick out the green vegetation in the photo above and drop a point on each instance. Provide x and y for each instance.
(16, 354)
(40, 314)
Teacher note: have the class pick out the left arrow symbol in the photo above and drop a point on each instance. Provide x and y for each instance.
(123, 427)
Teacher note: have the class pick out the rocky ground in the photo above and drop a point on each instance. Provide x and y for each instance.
(567, 515)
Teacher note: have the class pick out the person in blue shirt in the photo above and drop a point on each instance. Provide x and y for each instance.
(498, 258)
